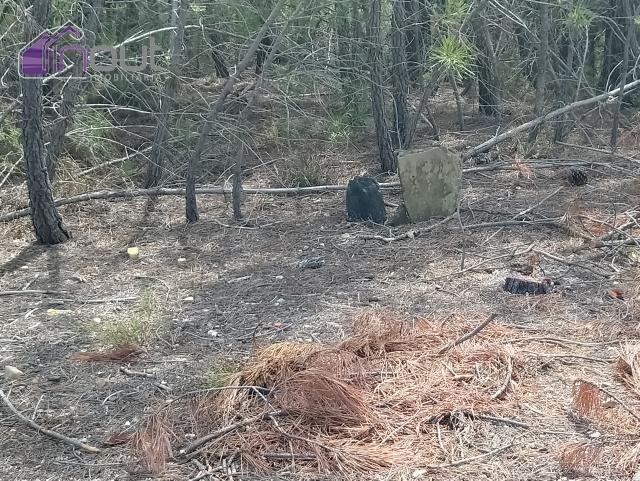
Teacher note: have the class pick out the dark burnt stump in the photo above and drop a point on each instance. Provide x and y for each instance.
(364, 200)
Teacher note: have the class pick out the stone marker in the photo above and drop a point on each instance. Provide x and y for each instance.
(430, 180)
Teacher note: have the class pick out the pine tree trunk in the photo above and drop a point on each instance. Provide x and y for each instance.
(542, 67)
(400, 74)
(47, 222)
(567, 89)
(155, 169)
(488, 85)
(388, 158)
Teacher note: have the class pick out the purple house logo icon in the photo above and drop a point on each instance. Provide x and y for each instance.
(44, 55)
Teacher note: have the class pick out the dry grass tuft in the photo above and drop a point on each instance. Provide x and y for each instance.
(586, 398)
(580, 457)
(324, 400)
(152, 444)
(117, 354)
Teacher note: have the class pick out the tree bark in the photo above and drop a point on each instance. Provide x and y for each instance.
(567, 90)
(488, 85)
(400, 74)
(191, 203)
(155, 169)
(388, 157)
(47, 222)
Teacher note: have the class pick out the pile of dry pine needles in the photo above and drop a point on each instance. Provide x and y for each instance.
(394, 393)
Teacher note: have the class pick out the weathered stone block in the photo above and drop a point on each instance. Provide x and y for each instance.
(431, 180)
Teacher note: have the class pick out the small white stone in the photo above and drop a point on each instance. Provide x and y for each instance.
(188, 299)
(595, 434)
(11, 372)
(97, 320)
(182, 259)
(279, 278)
(127, 423)
(212, 333)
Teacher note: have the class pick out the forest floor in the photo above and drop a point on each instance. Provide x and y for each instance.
(202, 296)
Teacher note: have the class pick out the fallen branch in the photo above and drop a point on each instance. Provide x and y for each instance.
(411, 234)
(483, 147)
(602, 151)
(469, 335)
(161, 191)
(52, 434)
(227, 429)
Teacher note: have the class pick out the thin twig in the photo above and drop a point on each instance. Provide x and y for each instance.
(468, 335)
(28, 291)
(129, 372)
(534, 207)
(507, 381)
(460, 462)
(499, 420)
(227, 429)
(571, 263)
(33, 425)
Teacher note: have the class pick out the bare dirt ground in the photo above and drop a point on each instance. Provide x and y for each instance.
(201, 296)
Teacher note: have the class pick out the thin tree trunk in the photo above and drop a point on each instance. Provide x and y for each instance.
(563, 127)
(488, 84)
(388, 158)
(47, 222)
(343, 53)
(236, 193)
(70, 94)
(191, 203)
(624, 68)
(400, 74)
(155, 168)
(543, 65)
(456, 94)
(613, 47)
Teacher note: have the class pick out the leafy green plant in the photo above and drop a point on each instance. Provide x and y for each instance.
(579, 18)
(453, 56)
